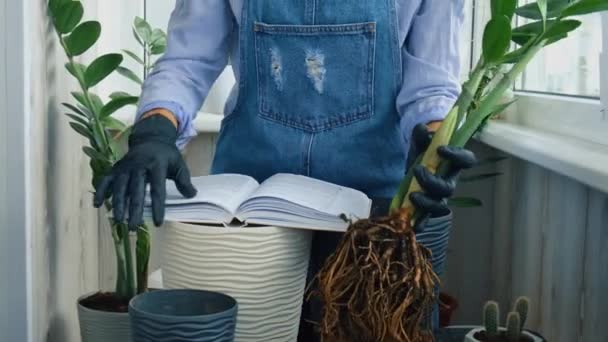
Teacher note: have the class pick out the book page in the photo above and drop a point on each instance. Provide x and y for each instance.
(226, 191)
(320, 196)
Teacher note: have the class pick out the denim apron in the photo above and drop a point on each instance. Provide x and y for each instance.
(316, 97)
(317, 91)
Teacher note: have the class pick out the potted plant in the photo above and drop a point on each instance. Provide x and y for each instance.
(396, 282)
(263, 268)
(103, 315)
(513, 331)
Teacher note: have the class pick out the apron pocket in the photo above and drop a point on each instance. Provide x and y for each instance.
(317, 77)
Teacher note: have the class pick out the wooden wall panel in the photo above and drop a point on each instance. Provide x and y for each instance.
(562, 246)
(595, 279)
(470, 243)
(529, 200)
(549, 238)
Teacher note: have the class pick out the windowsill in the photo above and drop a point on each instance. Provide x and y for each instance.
(204, 122)
(583, 161)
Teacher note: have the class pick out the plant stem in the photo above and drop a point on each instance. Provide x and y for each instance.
(130, 270)
(142, 252)
(122, 290)
(469, 89)
(476, 118)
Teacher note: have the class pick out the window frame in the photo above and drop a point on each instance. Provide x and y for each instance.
(551, 112)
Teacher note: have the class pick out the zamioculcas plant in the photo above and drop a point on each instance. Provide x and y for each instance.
(379, 283)
(91, 117)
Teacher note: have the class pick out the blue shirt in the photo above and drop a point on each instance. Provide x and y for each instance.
(203, 37)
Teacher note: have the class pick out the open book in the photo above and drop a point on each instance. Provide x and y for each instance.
(283, 200)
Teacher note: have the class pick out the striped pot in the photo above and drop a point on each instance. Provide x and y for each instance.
(264, 269)
(102, 326)
(183, 315)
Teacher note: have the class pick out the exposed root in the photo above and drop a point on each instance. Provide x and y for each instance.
(378, 286)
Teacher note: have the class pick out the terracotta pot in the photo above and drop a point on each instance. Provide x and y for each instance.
(102, 326)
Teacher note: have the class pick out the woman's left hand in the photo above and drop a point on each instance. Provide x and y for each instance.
(432, 201)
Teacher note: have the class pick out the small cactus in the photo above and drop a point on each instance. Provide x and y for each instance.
(522, 305)
(490, 318)
(513, 327)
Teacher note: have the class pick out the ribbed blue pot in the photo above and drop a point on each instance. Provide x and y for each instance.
(183, 315)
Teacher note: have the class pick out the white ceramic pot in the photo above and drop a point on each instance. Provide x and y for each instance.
(103, 326)
(469, 337)
(264, 269)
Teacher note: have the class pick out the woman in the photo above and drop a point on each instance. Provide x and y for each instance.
(331, 89)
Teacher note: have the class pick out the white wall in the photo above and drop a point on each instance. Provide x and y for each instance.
(15, 315)
(64, 225)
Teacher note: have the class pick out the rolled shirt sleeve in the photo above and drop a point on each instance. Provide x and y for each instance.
(431, 64)
(197, 52)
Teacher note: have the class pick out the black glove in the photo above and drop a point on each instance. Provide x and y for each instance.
(152, 158)
(437, 189)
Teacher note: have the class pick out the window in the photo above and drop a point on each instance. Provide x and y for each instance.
(560, 90)
(569, 67)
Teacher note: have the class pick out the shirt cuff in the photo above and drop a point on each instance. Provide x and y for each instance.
(424, 111)
(185, 127)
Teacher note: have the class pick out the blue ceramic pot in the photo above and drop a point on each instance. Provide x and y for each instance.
(183, 315)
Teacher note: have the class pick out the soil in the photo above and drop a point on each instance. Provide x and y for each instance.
(105, 301)
(481, 336)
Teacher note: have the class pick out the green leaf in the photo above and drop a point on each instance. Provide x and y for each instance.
(143, 29)
(101, 68)
(503, 7)
(158, 36)
(138, 38)
(113, 124)
(542, 7)
(523, 34)
(134, 56)
(82, 130)
(158, 49)
(117, 94)
(513, 56)
(532, 10)
(555, 39)
(94, 154)
(77, 70)
(561, 29)
(522, 38)
(78, 119)
(130, 75)
(96, 102)
(583, 7)
(75, 109)
(468, 179)
(496, 39)
(67, 16)
(159, 42)
(80, 98)
(465, 202)
(117, 103)
(54, 5)
(82, 38)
